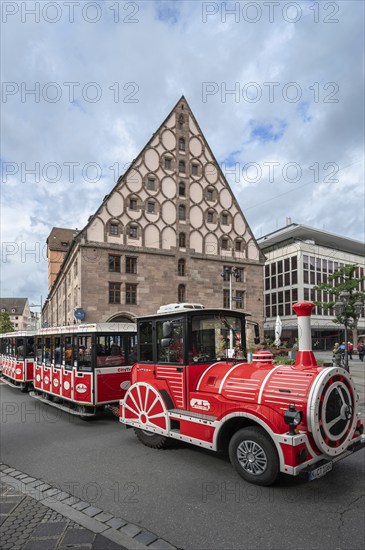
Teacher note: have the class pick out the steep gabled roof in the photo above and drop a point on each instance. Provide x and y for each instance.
(16, 304)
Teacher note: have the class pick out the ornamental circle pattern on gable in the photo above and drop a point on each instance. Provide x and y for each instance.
(168, 140)
(196, 217)
(211, 173)
(169, 212)
(196, 147)
(196, 192)
(115, 205)
(151, 159)
(225, 199)
(168, 187)
(239, 224)
(134, 181)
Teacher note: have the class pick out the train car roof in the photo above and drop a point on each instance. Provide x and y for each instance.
(18, 334)
(195, 313)
(89, 328)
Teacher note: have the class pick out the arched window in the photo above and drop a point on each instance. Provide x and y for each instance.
(181, 293)
(182, 166)
(181, 268)
(182, 189)
(182, 240)
(181, 144)
(182, 212)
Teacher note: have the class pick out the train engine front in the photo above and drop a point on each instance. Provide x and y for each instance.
(272, 418)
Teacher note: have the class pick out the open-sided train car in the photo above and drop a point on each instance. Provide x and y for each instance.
(17, 358)
(82, 368)
(192, 383)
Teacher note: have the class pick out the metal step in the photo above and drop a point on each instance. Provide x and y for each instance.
(201, 416)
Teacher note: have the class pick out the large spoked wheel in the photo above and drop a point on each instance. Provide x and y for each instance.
(152, 440)
(254, 456)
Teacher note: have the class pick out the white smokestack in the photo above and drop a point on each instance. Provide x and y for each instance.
(305, 357)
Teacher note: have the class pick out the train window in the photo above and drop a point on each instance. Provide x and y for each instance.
(56, 350)
(39, 350)
(20, 349)
(145, 343)
(68, 351)
(29, 346)
(110, 351)
(84, 345)
(170, 343)
(215, 337)
(47, 350)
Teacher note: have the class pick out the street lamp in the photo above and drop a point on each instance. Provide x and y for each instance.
(231, 272)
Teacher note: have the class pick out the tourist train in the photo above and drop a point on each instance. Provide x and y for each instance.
(77, 368)
(182, 374)
(192, 384)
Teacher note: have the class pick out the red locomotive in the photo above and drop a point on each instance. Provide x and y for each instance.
(190, 384)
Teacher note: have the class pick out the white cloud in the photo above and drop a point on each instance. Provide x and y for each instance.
(171, 51)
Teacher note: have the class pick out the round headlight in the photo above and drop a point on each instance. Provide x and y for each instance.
(298, 418)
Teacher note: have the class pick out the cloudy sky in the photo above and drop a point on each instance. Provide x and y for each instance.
(277, 88)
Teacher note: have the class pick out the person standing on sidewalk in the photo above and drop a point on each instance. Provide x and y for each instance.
(361, 350)
(337, 355)
(350, 347)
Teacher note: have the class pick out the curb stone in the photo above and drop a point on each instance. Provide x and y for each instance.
(127, 535)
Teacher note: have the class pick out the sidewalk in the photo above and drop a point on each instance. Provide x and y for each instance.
(36, 516)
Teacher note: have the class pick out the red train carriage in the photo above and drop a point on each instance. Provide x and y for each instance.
(17, 358)
(82, 368)
(190, 384)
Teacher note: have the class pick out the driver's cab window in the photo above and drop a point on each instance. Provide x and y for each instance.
(145, 342)
(170, 341)
(214, 338)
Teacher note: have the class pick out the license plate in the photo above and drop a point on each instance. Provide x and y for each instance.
(320, 471)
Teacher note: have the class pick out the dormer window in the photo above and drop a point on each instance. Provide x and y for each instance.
(133, 204)
(195, 169)
(64, 243)
(151, 184)
(182, 189)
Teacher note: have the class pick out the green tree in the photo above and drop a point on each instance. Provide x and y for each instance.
(5, 324)
(344, 280)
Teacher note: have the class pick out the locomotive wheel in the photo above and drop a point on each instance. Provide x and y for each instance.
(254, 456)
(152, 440)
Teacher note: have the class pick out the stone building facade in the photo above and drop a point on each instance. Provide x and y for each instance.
(164, 234)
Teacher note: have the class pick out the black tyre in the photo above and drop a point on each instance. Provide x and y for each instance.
(155, 441)
(254, 456)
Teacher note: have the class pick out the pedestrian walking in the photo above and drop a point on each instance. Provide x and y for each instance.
(350, 347)
(361, 350)
(337, 355)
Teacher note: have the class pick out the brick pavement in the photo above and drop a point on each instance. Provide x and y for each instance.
(36, 516)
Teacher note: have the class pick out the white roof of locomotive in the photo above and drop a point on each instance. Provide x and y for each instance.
(169, 308)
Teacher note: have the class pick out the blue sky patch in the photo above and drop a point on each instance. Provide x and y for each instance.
(268, 132)
(168, 12)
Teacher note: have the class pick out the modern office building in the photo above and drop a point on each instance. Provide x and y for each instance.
(163, 234)
(297, 259)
